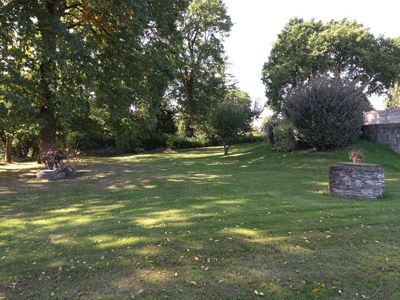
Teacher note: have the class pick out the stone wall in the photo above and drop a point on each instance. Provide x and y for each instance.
(388, 134)
(363, 181)
(383, 126)
(388, 116)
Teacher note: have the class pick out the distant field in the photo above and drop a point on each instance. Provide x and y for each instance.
(197, 224)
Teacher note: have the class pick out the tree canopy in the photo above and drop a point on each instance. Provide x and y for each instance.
(200, 60)
(59, 55)
(110, 73)
(306, 48)
(232, 116)
(393, 99)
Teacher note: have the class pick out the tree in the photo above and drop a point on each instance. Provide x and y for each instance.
(15, 119)
(232, 116)
(16, 114)
(393, 100)
(200, 60)
(64, 53)
(326, 111)
(306, 48)
(4, 125)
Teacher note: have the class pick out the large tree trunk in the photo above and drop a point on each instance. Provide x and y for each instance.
(48, 83)
(189, 129)
(8, 153)
(188, 82)
(47, 134)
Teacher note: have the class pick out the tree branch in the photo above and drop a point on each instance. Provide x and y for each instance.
(74, 5)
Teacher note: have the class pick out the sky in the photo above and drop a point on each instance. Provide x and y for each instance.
(258, 22)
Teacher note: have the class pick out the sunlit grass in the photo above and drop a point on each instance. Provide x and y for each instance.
(197, 224)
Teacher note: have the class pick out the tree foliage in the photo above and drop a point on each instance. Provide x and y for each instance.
(200, 60)
(62, 54)
(393, 99)
(283, 136)
(326, 112)
(305, 48)
(91, 73)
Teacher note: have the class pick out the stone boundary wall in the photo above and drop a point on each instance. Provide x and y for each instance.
(383, 126)
(385, 134)
(375, 117)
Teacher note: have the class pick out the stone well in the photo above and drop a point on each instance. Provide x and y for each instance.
(51, 174)
(362, 181)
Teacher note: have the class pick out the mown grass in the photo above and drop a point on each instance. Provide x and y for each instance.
(196, 224)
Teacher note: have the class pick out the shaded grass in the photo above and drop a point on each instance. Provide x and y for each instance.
(196, 224)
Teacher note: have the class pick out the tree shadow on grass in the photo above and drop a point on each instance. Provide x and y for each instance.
(204, 231)
(186, 256)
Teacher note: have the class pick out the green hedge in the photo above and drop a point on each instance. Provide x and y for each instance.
(283, 136)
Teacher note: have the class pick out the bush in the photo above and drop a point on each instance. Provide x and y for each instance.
(24, 145)
(129, 141)
(284, 140)
(153, 141)
(249, 139)
(180, 142)
(326, 112)
(88, 140)
(268, 128)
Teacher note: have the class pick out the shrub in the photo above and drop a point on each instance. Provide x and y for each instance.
(88, 139)
(180, 142)
(153, 141)
(268, 128)
(326, 112)
(249, 139)
(284, 140)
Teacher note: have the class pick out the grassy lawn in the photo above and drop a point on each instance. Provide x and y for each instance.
(196, 224)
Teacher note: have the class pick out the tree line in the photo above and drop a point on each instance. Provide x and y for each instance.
(119, 73)
(129, 74)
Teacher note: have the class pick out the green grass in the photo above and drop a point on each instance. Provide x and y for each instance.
(196, 224)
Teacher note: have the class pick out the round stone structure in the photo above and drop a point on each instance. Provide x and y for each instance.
(51, 174)
(361, 181)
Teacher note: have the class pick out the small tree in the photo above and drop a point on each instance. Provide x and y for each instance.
(268, 127)
(232, 117)
(326, 112)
